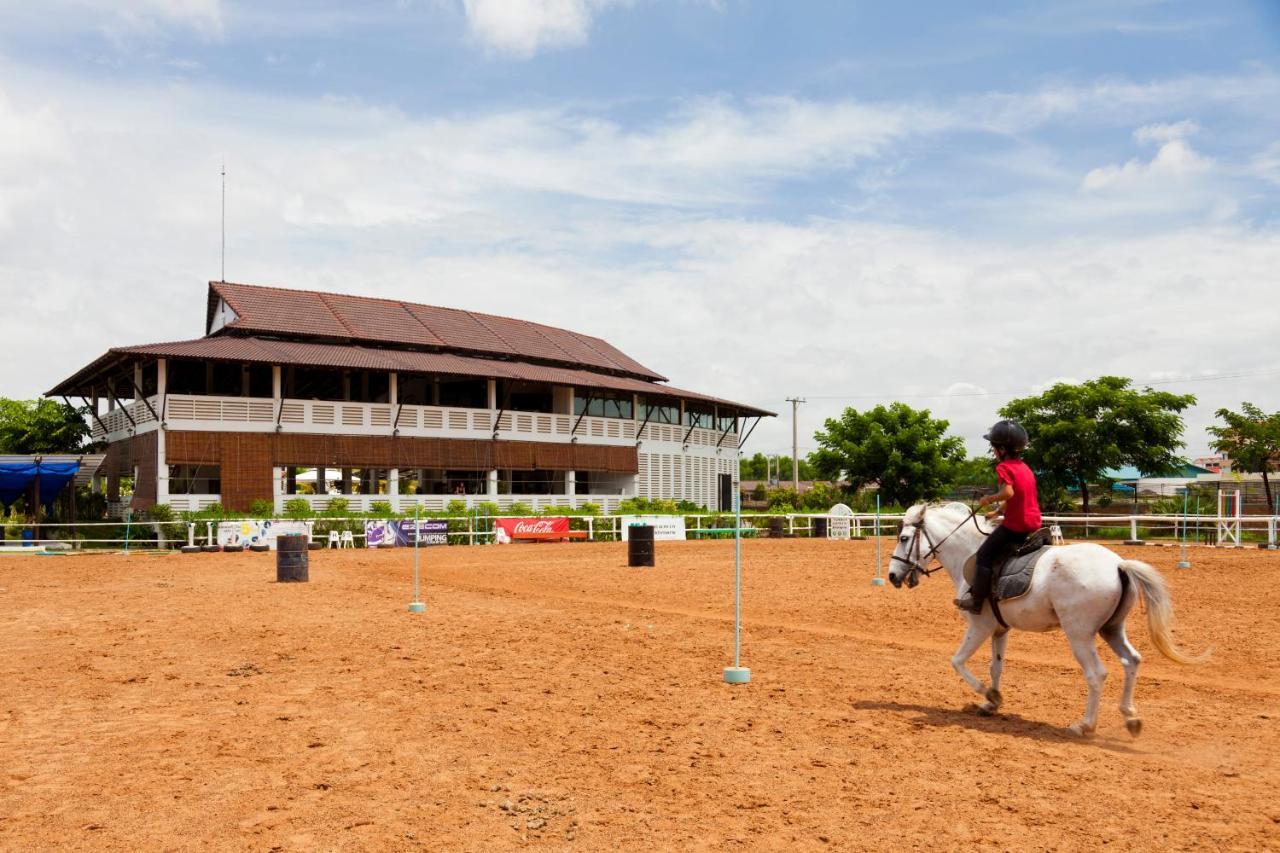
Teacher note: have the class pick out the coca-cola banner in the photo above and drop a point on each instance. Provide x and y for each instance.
(506, 530)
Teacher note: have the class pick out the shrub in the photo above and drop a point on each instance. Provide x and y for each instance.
(381, 509)
(297, 509)
(262, 509)
(589, 509)
(338, 508)
(485, 508)
(648, 506)
(160, 512)
(457, 507)
(520, 508)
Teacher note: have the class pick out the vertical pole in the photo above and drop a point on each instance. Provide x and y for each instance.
(128, 519)
(416, 606)
(878, 580)
(795, 446)
(737, 674)
(1184, 563)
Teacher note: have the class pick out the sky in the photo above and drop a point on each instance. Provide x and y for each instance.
(851, 203)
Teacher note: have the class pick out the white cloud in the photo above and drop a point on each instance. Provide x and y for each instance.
(521, 28)
(1163, 133)
(1174, 160)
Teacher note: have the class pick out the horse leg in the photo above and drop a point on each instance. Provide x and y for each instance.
(994, 698)
(1116, 638)
(1095, 673)
(974, 637)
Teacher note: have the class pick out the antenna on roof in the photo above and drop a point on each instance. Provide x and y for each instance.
(223, 275)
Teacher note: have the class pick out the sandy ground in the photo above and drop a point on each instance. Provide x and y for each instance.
(553, 698)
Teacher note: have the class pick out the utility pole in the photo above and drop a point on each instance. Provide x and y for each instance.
(795, 446)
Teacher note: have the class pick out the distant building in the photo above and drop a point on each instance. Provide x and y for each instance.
(295, 394)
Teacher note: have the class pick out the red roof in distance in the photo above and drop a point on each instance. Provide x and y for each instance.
(330, 317)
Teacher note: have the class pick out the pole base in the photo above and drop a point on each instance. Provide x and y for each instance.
(417, 607)
(877, 581)
(1184, 564)
(737, 674)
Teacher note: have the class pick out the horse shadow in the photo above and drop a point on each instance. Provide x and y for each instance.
(998, 723)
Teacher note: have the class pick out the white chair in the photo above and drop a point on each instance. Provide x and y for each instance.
(334, 541)
(1055, 534)
(348, 541)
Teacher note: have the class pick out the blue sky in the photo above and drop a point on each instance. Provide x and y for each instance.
(854, 202)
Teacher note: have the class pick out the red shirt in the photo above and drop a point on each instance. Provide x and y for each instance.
(1022, 511)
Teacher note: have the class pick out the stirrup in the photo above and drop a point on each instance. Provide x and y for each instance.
(968, 603)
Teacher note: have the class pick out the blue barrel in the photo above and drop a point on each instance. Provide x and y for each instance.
(291, 558)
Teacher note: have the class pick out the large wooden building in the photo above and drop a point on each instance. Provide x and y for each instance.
(297, 394)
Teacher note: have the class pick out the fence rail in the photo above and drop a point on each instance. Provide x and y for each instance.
(475, 528)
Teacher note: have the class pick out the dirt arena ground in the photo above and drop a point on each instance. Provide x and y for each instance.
(553, 698)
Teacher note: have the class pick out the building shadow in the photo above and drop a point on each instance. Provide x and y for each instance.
(1000, 723)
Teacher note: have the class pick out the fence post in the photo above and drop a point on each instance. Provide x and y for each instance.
(591, 529)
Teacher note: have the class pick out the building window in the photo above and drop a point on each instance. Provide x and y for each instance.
(259, 378)
(726, 422)
(465, 393)
(603, 404)
(187, 377)
(313, 383)
(195, 480)
(660, 413)
(525, 396)
(533, 482)
(696, 415)
(226, 380)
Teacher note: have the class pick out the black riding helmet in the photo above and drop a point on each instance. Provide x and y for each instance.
(1009, 435)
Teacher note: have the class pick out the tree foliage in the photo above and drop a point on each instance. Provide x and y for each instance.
(904, 451)
(42, 426)
(759, 467)
(1079, 431)
(1252, 439)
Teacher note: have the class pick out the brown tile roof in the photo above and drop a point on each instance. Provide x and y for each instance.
(305, 313)
(355, 357)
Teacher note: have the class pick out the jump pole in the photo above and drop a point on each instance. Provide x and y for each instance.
(1184, 563)
(416, 606)
(877, 580)
(737, 674)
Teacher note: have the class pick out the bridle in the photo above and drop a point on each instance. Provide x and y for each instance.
(920, 565)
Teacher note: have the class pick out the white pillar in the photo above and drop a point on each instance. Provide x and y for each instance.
(493, 394)
(137, 377)
(162, 378)
(571, 483)
(279, 488)
(493, 484)
(162, 469)
(393, 477)
(277, 385)
(393, 388)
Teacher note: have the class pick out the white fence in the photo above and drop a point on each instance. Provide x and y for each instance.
(475, 528)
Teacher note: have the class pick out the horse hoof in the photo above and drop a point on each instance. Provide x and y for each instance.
(1134, 725)
(995, 697)
(1081, 730)
(986, 709)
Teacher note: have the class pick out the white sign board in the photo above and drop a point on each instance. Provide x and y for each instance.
(263, 532)
(665, 527)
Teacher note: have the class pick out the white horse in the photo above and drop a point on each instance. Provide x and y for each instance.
(1078, 588)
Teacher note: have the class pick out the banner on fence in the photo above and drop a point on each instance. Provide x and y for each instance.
(506, 530)
(429, 531)
(666, 527)
(263, 532)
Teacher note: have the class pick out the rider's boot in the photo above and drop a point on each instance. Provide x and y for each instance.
(969, 603)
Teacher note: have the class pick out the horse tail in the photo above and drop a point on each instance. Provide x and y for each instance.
(1159, 611)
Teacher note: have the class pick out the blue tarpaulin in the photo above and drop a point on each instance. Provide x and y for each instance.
(16, 478)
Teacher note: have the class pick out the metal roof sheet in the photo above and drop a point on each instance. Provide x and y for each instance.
(279, 311)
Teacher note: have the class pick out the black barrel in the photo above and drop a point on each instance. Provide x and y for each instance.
(775, 528)
(640, 545)
(291, 558)
(819, 528)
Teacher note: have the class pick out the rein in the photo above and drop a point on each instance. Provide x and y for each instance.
(919, 566)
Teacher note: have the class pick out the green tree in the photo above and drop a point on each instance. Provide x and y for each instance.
(42, 426)
(754, 468)
(904, 451)
(1079, 431)
(1251, 438)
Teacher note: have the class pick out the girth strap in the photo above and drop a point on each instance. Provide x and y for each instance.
(995, 611)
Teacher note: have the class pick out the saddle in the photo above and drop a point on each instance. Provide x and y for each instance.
(1011, 577)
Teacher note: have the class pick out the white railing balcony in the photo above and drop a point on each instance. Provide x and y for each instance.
(259, 414)
(120, 423)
